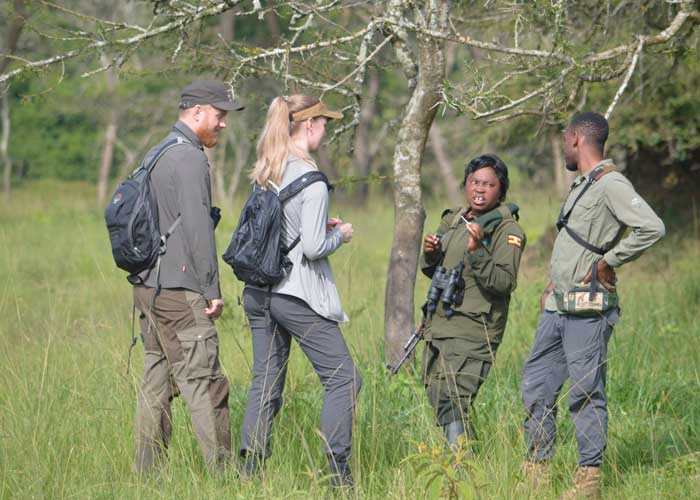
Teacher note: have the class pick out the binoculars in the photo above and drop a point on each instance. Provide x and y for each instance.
(447, 287)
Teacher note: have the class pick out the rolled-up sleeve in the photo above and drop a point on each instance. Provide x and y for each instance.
(631, 210)
(315, 242)
(194, 196)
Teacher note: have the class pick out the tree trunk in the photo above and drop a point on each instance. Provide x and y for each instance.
(13, 33)
(216, 175)
(409, 214)
(107, 156)
(363, 153)
(217, 168)
(9, 46)
(227, 24)
(437, 145)
(111, 128)
(4, 144)
(241, 153)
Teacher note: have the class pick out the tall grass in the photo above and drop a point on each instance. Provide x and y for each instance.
(66, 402)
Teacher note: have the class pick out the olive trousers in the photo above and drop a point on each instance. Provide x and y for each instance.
(181, 357)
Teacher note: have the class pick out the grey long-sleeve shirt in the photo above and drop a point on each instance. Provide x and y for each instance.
(306, 215)
(601, 216)
(182, 187)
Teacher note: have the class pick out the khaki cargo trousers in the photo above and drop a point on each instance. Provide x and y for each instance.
(181, 356)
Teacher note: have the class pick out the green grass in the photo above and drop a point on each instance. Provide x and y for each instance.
(66, 404)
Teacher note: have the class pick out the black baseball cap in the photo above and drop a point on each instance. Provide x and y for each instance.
(213, 92)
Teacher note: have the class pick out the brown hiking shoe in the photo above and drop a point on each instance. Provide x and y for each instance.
(586, 484)
(535, 475)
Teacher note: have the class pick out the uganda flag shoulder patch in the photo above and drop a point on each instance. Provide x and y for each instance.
(516, 241)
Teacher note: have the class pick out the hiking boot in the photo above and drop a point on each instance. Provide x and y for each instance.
(341, 477)
(586, 484)
(535, 475)
(453, 431)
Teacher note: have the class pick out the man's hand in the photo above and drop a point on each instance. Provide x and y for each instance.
(543, 298)
(606, 276)
(477, 235)
(431, 244)
(216, 307)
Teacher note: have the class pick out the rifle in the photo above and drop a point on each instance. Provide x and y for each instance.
(446, 288)
(412, 343)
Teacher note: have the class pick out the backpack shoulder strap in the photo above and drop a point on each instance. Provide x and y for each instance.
(304, 180)
(162, 150)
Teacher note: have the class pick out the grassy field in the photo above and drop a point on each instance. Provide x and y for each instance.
(66, 404)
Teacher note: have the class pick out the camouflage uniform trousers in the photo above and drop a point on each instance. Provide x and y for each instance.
(181, 357)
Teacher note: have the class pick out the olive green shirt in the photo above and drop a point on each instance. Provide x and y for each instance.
(490, 276)
(601, 216)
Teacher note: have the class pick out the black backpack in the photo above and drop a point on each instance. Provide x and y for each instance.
(132, 218)
(256, 252)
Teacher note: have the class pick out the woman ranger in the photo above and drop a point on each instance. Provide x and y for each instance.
(305, 304)
(462, 339)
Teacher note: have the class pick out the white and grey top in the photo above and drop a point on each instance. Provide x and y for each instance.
(306, 215)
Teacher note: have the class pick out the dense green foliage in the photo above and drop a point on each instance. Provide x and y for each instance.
(59, 117)
(66, 406)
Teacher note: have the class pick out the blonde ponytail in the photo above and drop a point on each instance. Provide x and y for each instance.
(274, 144)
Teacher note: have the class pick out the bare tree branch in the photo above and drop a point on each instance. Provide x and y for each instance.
(622, 88)
(202, 13)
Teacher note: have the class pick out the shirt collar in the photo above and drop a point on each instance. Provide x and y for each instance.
(183, 129)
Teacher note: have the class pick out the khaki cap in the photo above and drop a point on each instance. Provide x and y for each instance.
(318, 109)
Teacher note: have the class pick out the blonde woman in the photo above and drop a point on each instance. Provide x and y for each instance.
(305, 305)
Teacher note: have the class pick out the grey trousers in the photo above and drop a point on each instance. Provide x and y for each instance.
(568, 347)
(323, 344)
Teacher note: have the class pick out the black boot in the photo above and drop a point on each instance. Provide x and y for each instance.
(452, 432)
(341, 477)
(250, 466)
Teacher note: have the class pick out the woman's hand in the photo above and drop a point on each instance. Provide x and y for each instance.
(431, 244)
(346, 230)
(476, 233)
(332, 222)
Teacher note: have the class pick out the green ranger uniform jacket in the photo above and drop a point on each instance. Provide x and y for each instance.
(601, 217)
(490, 276)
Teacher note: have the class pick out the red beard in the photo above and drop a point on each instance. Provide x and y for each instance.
(209, 138)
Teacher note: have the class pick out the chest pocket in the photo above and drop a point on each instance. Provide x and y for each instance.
(587, 208)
